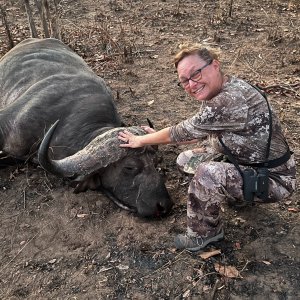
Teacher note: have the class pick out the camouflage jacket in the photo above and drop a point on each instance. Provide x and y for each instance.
(239, 115)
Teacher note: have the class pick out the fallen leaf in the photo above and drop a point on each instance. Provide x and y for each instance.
(52, 261)
(186, 294)
(206, 255)
(237, 246)
(293, 209)
(238, 220)
(122, 267)
(81, 215)
(206, 288)
(104, 269)
(227, 271)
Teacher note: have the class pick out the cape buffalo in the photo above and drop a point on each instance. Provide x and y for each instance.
(42, 81)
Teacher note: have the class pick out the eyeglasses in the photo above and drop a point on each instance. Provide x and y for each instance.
(196, 76)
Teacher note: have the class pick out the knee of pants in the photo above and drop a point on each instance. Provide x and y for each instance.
(218, 180)
(183, 158)
(211, 175)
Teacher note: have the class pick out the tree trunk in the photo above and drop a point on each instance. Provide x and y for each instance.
(42, 17)
(8, 33)
(30, 19)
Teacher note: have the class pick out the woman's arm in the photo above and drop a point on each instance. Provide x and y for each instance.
(136, 141)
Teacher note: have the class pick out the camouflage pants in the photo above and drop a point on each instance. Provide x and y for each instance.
(214, 182)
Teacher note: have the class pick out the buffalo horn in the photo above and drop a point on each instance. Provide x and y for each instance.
(102, 151)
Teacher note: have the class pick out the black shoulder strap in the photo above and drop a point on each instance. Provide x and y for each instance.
(230, 156)
(267, 164)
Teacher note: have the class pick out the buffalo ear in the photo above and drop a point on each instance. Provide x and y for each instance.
(80, 187)
(92, 183)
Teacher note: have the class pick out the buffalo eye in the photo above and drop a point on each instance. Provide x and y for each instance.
(131, 169)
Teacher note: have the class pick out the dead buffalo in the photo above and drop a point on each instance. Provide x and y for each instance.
(42, 81)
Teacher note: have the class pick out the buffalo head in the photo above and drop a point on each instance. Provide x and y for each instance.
(127, 176)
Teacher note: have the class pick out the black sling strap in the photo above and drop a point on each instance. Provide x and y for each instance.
(230, 156)
(267, 163)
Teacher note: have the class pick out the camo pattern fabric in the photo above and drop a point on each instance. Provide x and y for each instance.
(239, 115)
(188, 161)
(215, 182)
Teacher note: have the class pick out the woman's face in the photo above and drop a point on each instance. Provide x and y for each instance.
(202, 85)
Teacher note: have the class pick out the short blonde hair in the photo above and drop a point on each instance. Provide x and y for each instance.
(205, 52)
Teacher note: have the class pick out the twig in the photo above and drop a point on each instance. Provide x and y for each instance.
(178, 8)
(213, 292)
(267, 15)
(73, 24)
(246, 264)
(15, 215)
(24, 199)
(283, 86)
(133, 52)
(13, 232)
(165, 265)
(25, 245)
(47, 186)
(235, 58)
(250, 66)
(230, 8)
(196, 280)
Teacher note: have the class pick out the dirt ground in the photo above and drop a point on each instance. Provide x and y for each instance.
(55, 244)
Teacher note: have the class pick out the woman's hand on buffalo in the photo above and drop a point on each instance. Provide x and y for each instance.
(131, 140)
